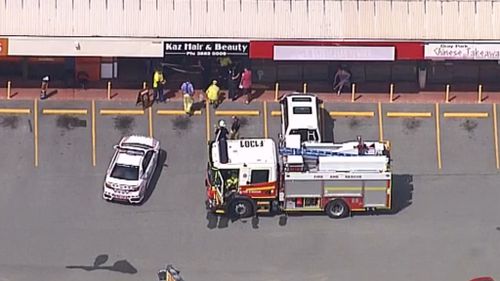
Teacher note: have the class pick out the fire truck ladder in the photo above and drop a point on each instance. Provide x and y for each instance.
(311, 156)
(285, 151)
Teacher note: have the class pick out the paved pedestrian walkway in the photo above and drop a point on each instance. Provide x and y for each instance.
(267, 95)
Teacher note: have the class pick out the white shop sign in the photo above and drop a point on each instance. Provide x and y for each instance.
(452, 51)
(334, 53)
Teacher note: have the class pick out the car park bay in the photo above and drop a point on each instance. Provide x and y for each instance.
(55, 224)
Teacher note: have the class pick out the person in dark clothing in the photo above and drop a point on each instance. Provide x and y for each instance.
(235, 128)
(232, 83)
(221, 131)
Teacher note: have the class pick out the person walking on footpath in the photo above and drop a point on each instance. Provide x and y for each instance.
(158, 83)
(341, 79)
(187, 90)
(246, 84)
(232, 83)
(44, 87)
(213, 94)
(235, 128)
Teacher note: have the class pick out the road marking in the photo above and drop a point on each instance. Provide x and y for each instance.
(121, 112)
(15, 111)
(35, 125)
(275, 113)
(150, 121)
(322, 116)
(53, 111)
(207, 108)
(465, 114)
(355, 188)
(264, 105)
(352, 113)
(409, 114)
(380, 123)
(495, 130)
(237, 112)
(438, 138)
(93, 134)
(175, 112)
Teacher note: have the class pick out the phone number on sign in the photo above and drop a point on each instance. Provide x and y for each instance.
(206, 53)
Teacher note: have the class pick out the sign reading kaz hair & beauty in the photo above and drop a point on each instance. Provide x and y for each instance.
(205, 49)
(449, 51)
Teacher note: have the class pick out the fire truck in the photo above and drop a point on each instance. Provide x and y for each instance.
(302, 174)
(250, 176)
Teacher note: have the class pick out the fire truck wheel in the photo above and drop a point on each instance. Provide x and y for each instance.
(241, 208)
(337, 209)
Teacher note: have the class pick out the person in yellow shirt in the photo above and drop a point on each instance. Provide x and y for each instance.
(213, 94)
(158, 82)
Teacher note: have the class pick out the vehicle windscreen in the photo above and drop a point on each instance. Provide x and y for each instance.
(125, 172)
(302, 110)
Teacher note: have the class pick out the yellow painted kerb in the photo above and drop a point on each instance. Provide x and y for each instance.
(64, 111)
(466, 114)
(15, 111)
(352, 114)
(121, 112)
(409, 114)
(175, 112)
(237, 112)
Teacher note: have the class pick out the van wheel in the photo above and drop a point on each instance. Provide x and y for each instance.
(240, 208)
(337, 209)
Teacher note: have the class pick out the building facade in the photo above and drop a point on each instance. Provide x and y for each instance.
(413, 44)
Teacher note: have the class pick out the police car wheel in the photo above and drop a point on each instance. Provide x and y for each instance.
(337, 209)
(241, 209)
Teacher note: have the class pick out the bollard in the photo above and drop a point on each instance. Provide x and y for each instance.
(353, 92)
(8, 89)
(305, 88)
(391, 93)
(109, 90)
(480, 94)
(144, 85)
(447, 94)
(276, 91)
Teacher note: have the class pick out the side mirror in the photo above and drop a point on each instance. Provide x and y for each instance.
(116, 146)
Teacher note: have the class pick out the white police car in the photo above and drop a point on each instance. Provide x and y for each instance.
(131, 169)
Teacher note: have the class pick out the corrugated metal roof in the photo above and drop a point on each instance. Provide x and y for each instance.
(314, 19)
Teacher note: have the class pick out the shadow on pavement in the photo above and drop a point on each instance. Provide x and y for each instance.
(122, 266)
(328, 126)
(162, 159)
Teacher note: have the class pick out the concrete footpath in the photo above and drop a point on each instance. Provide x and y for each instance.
(267, 95)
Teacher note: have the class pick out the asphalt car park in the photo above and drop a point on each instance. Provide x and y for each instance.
(411, 130)
(113, 120)
(64, 136)
(56, 226)
(467, 140)
(251, 117)
(16, 133)
(350, 120)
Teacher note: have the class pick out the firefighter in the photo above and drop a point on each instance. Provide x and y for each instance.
(158, 84)
(213, 94)
(232, 181)
(235, 128)
(221, 131)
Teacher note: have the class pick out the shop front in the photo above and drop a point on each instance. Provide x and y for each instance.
(373, 65)
(203, 61)
(24, 60)
(462, 65)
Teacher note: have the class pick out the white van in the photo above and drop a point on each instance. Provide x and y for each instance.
(300, 115)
